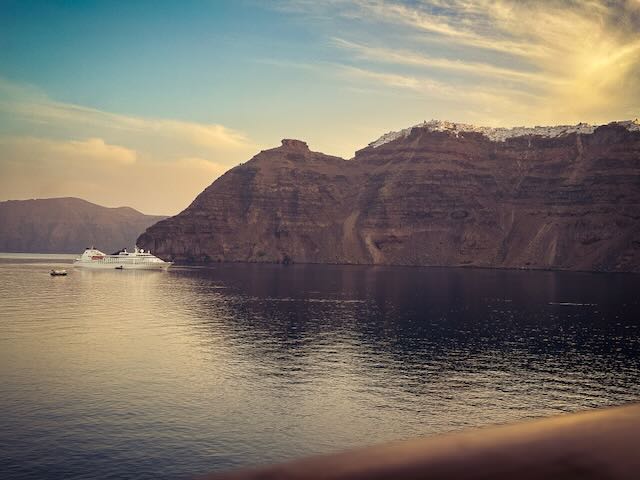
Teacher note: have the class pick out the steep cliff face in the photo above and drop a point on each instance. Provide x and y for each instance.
(571, 202)
(68, 225)
(568, 199)
(285, 204)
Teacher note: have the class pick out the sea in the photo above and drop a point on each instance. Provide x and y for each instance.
(172, 374)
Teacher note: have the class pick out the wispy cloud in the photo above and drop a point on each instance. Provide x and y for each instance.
(95, 149)
(36, 107)
(107, 174)
(550, 61)
(389, 79)
(83, 151)
(463, 22)
(408, 57)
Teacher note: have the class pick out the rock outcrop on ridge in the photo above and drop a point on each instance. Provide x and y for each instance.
(435, 194)
(68, 225)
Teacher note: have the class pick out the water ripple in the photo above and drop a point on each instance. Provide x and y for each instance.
(170, 374)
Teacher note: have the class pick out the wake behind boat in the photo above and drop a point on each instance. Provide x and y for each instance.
(139, 259)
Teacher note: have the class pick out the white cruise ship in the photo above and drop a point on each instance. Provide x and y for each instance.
(122, 260)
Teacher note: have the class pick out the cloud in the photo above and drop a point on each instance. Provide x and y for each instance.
(202, 164)
(50, 148)
(390, 79)
(407, 57)
(461, 22)
(421, 87)
(35, 107)
(73, 153)
(110, 175)
(95, 149)
(456, 20)
(545, 61)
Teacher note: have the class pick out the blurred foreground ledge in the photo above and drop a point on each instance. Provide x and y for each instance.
(602, 444)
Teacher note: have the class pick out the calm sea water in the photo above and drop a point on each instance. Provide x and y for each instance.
(117, 374)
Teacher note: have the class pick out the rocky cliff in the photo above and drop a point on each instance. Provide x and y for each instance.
(434, 194)
(68, 225)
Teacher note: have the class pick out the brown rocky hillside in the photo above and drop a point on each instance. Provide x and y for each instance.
(425, 197)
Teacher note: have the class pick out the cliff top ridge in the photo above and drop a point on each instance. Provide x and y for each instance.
(292, 144)
(500, 134)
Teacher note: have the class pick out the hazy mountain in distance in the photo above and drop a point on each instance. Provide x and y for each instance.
(438, 193)
(68, 225)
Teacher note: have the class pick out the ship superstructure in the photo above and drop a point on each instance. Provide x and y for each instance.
(122, 260)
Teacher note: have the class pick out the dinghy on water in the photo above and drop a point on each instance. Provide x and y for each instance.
(57, 273)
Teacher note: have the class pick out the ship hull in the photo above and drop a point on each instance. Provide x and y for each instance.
(122, 266)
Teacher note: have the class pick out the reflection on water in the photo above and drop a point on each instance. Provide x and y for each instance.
(166, 374)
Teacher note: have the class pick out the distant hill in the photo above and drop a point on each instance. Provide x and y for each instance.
(68, 225)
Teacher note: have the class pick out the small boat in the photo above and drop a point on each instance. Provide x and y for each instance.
(57, 273)
(120, 267)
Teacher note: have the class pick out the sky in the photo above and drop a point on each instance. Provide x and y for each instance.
(145, 103)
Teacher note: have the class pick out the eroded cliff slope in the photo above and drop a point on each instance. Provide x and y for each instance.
(434, 194)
